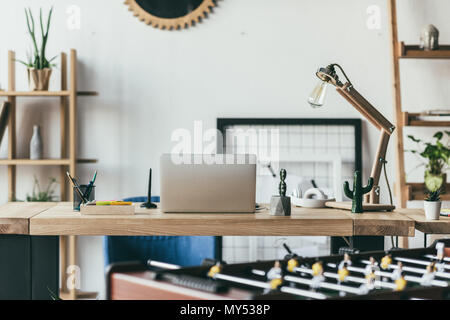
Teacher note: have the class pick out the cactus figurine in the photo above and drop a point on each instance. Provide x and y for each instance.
(282, 185)
(358, 191)
(280, 205)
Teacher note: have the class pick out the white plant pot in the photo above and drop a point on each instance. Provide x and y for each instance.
(432, 209)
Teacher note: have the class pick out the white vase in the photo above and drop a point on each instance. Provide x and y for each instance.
(36, 144)
(432, 209)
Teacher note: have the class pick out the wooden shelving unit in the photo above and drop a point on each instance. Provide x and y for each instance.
(405, 190)
(415, 52)
(64, 93)
(68, 160)
(412, 119)
(414, 191)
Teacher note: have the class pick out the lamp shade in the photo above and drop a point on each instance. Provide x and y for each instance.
(317, 97)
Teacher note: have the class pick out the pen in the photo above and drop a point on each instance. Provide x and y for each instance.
(90, 186)
(77, 187)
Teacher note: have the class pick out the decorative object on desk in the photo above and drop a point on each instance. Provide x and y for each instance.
(149, 204)
(313, 198)
(36, 144)
(328, 75)
(170, 15)
(39, 67)
(357, 193)
(107, 208)
(432, 205)
(437, 154)
(4, 118)
(46, 195)
(79, 194)
(84, 193)
(281, 205)
(429, 38)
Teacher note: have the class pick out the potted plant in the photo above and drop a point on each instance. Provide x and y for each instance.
(38, 66)
(432, 205)
(39, 195)
(437, 154)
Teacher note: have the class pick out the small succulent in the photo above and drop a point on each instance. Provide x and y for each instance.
(39, 195)
(433, 196)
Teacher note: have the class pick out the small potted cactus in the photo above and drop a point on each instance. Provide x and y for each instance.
(432, 205)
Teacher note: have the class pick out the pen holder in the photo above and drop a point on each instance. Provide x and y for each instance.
(77, 199)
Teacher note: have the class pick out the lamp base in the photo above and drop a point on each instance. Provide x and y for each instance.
(347, 205)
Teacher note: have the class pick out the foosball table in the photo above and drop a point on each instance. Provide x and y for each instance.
(395, 274)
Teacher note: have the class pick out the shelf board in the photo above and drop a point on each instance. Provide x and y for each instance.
(415, 52)
(411, 119)
(64, 93)
(415, 191)
(43, 162)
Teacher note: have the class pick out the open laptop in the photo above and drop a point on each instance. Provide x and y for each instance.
(208, 183)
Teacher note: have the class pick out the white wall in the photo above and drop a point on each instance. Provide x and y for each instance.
(250, 58)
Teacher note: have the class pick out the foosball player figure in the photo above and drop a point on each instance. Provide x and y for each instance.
(317, 272)
(440, 255)
(386, 261)
(292, 264)
(373, 265)
(275, 271)
(400, 282)
(428, 276)
(343, 273)
(371, 278)
(370, 281)
(397, 272)
(440, 251)
(317, 268)
(346, 260)
(215, 269)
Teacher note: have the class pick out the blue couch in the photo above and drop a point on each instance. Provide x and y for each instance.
(180, 250)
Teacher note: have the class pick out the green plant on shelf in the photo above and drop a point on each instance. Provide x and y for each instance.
(437, 158)
(38, 60)
(46, 195)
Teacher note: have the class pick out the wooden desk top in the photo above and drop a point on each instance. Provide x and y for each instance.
(441, 226)
(61, 220)
(15, 216)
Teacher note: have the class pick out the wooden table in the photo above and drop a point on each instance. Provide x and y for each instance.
(29, 234)
(62, 220)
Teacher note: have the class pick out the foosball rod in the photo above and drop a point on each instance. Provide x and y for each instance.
(336, 276)
(266, 285)
(437, 283)
(413, 270)
(430, 256)
(419, 262)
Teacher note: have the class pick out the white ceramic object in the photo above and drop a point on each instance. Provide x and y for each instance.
(309, 203)
(432, 209)
(36, 144)
(314, 203)
(314, 193)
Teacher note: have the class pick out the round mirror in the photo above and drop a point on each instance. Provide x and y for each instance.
(170, 14)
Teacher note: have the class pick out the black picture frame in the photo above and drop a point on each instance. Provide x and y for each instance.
(224, 123)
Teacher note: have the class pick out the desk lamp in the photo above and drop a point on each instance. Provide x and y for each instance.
(328, 76)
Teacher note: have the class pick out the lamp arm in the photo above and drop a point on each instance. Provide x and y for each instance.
(379, 159)
(381, 123)
(365, 108)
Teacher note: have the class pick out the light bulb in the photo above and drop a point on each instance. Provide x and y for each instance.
(317, 97)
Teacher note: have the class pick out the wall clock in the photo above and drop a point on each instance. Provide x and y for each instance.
(170, 14)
